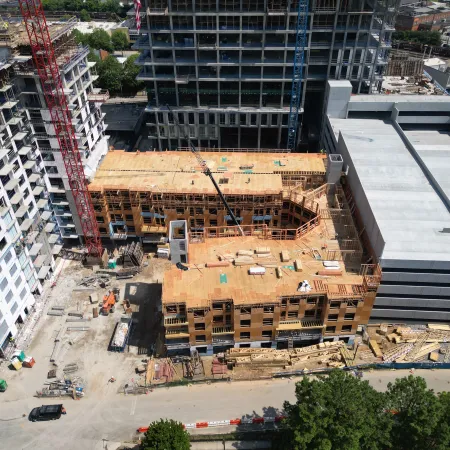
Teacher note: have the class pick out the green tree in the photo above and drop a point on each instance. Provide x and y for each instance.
(130, 72)
(110, 75)
(421, 37)
(338, 412)
(100, 40)
(166, 435)
(80, 38)
(84, 16)
(119, 40)
(418, 412)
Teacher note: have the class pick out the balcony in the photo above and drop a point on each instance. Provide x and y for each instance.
(289, 325)
(175, 321)
(227, 329)
(174, 334)
(98, 95)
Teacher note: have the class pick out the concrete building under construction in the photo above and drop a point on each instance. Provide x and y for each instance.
(84, 103)
(225, 68)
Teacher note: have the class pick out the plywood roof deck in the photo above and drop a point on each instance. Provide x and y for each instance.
(118, 160)
(201, 285)
(186, 182)
(179, 172)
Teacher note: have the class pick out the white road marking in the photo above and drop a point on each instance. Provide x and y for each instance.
(133, 406)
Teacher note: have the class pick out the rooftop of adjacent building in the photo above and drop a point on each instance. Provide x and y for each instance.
(14, 34)
(421, 10)
(200, 285)
(174, 171)
(411, 212)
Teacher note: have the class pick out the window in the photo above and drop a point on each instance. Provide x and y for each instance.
(245, 323)
(199, 326)
(268, 309)
(14, 308)
(274, 119)
(245, 335)
(8, 257)
(267, 322)
(180, 211)
(311, 300)
(129, 217)
(13, 269)
(200, 338)
(218, 319)
(330, 330)
(267, 334)
(213, 223)
(310, 313)
(199, 211)
(332, 317)
(284, 302)
(218, 306)
(222, 119)
(334, 305)
(8, 296)
(3, 284)
(294, 301)
(293, 314)
(100, 219)
(23, 293)
(263, 119)
(243, 118)
(349, 316)
(232, 119)
(18, 281)
(346, 328)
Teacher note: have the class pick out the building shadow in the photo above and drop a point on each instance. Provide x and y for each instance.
(145, 301)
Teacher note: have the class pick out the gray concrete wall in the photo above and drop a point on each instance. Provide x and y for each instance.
(360, 198)
(337, 96)
(443, 78)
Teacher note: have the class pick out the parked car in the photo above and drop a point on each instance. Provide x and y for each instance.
(47, 412)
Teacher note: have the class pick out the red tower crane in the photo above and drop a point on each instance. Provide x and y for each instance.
(48, 71)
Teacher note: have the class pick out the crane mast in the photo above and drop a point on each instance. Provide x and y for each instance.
(49, 74)
(207, 171)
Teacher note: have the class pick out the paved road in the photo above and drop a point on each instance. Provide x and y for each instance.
(116, 417)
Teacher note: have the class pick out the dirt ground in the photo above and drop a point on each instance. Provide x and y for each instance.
(90, 349)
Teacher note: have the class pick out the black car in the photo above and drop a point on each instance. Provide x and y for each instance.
(47, 412)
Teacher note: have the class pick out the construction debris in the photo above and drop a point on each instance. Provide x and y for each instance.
(131, 255)
(327, 352)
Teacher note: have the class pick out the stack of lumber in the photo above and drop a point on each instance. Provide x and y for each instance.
(260, 357)
(244, 261)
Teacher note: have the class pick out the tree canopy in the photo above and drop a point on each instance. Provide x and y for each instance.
(112, 6)
(421, 418)
(110, 74)
(166, 435)
(342, 412)
(421, 37)
(119, 40)
(130, 72)
(338, 412)
(100, 40)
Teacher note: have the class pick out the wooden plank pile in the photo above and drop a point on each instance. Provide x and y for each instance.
(325, 353)
(261, 256)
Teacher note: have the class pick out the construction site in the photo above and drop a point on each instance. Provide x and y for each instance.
(138, 194)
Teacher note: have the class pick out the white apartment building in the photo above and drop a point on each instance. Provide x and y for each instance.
(84, 102)
(26, 247)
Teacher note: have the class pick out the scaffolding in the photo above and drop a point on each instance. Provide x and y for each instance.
(405, 64)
